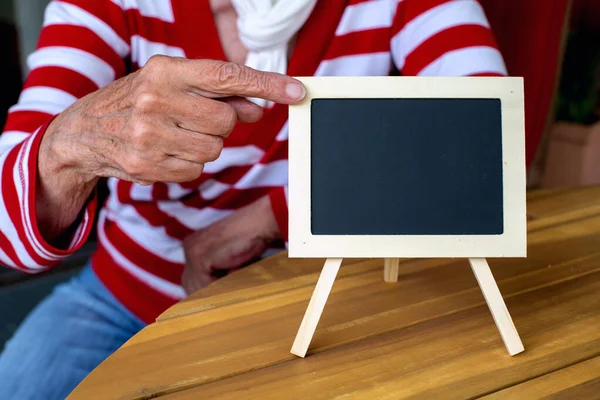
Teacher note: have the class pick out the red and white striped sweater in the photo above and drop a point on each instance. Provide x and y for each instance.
(86, 44)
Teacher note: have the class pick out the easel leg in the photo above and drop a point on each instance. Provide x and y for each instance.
(316, 306)
(390, 269)
(496, 304)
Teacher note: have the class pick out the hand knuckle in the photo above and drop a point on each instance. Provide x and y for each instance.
(260, 82)
(214, 148)
(193, 173)
(229, 73)
(152, 70)
(156, 63)
(141, 135)
(134, 166)
(226, 120)
(147, 101)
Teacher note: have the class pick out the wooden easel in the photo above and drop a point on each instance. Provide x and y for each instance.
(480, 268)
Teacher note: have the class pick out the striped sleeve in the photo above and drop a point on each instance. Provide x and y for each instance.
(444, 38)
(81, 48)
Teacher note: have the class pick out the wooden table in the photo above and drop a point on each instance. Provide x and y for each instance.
(428, 336)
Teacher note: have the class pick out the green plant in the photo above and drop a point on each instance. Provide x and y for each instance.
(578, 93)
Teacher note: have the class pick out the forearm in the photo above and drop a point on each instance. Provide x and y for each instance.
(62, 189)
(266, 222)
(278, 204)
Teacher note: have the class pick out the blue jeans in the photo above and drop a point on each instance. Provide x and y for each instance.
(63, 339)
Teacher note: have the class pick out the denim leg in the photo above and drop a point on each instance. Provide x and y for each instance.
(63, 339)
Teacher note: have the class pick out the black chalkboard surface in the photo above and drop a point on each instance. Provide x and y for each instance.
(406, 166)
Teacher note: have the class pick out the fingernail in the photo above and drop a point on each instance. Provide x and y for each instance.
(295, 91)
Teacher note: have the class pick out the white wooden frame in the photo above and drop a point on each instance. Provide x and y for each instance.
(511, 243)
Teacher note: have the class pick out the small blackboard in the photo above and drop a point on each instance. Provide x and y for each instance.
(397, 167)
(407, 167)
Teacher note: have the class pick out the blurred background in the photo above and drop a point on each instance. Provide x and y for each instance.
(553, 44)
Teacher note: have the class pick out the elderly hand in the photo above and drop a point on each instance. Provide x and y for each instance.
(163, 122)
(159, 124)
(228, 244)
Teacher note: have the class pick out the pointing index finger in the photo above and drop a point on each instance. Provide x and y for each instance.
(218, 79)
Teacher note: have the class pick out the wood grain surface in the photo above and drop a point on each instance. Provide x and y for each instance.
(429, 335)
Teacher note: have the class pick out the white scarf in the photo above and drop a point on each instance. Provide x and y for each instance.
(266, 27)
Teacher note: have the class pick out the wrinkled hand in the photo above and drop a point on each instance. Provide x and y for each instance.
(165, 121)
(228, 244)
(161, 123)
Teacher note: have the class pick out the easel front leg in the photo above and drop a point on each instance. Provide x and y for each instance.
(390, 269)
(316, 306)
(496, 304)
